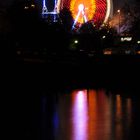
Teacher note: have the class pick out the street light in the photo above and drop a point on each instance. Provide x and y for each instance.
(76, 41)
(119, 11)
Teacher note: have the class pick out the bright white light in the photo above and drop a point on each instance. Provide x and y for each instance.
(81, 11)
(76, 41)
(26, 7)
(76, 19)
(80, 115)
(126, 39)
(81, 7)
(108, 11)
(118, 11)
(138, 42)
(104, 37)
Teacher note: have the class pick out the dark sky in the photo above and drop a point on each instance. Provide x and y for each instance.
(119, 3)
(5, 3)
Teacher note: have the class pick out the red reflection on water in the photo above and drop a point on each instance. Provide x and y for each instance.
(119, 126)
(92, 112)
(79, 115)
(118, 108)
(129, 106)
(129, 111)
(103, 116)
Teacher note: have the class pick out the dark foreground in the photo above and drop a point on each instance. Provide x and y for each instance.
(60, 72)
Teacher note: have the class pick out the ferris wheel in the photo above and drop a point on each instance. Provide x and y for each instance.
(95, 11)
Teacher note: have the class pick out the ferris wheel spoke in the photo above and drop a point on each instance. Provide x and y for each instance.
(76, 19)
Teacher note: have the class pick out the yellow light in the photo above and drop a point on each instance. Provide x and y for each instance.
(32, 5)
(58, 6)
(76, 41)
(138, 41)
(89, 9)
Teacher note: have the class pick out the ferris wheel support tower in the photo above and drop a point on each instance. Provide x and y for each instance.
(53, 14)
(44, 9)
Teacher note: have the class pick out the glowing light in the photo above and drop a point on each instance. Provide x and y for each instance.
(107, 52)
(76, 41)
(32, 5)
(44, 9)
(118, 117)
(95, 11)
(88, 8)
(26, 7)
(126, 39)
(81, 11)
(79, 115)
(138, 42)
(118, 107)
(81, 7)
(118, 11)
(55, 6)
(58, 6)
(108, 11)
(104, 37)
(138, 52)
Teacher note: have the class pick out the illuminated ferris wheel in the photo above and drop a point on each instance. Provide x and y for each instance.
(95, 11)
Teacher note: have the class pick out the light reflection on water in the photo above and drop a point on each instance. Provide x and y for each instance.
(79, 115)
(118, 117)
(90, 115)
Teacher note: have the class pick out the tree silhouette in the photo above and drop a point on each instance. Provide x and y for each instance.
(66, 17)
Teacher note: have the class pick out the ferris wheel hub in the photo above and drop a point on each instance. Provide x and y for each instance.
(81, 7)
